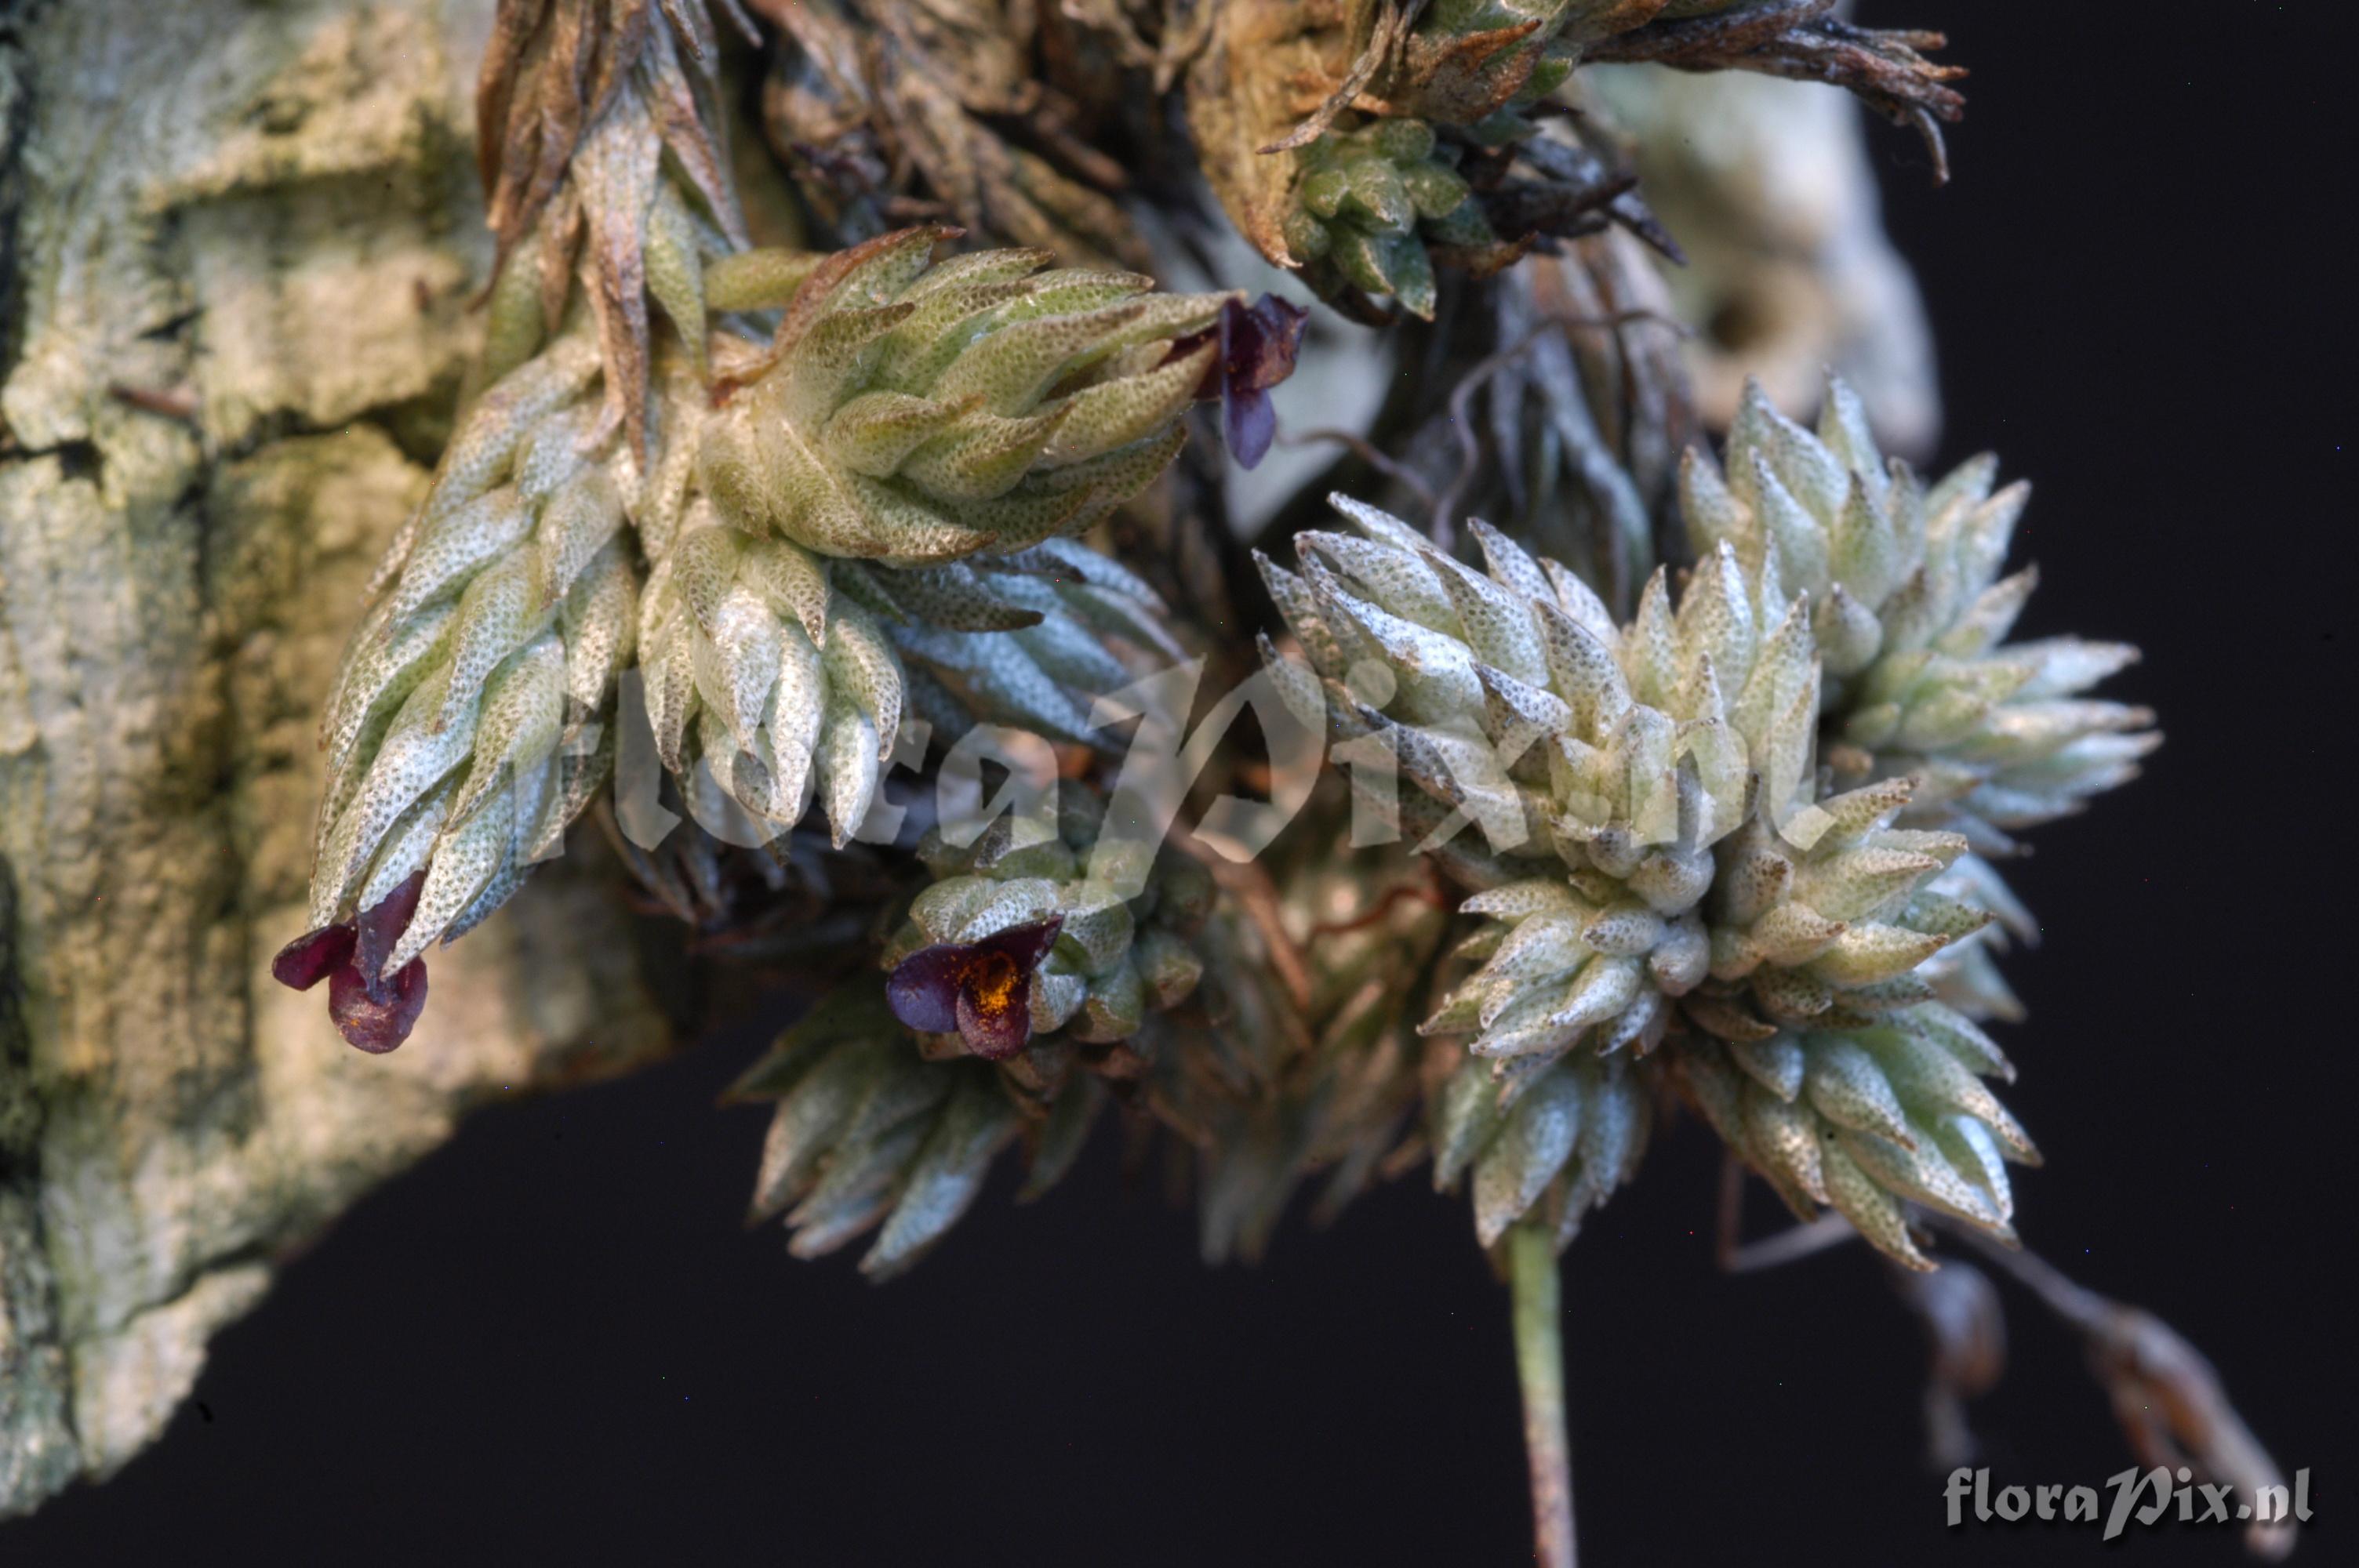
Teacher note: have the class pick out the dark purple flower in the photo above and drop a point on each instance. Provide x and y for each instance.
(377, 1023)
(372, 1013)
(1257, 348)
(312, 956)
(980, 991)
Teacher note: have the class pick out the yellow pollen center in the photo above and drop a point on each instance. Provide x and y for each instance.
(991, 986)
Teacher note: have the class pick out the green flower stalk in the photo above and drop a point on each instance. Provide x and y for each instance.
(1659, 858)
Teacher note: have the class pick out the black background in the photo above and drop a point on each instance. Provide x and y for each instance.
(554, 1342)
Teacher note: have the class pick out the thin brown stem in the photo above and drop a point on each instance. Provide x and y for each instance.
(1406, 893)
(1366, 451)
(1257, 895)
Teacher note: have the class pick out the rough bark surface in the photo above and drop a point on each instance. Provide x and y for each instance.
(238, 243)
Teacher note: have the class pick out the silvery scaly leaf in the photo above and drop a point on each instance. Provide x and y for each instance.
(518, 722)
(414, 757)
(467, 855)
(1804, 544)
(1777, 1063)
(1973, 1151)
(1581, 601)
(1959, 1035)
(1924, 1174)
(1846, 1086)
(1864, 954)
(1099, 418)
(1871, 1210)
(808, 1120)
(1846, 432)
(1525, 1155)
(860, 662)
(486, 440)
(997, 678)
(577, 522)
(1854, 883)
(1114, 1006)
(1868, 557)
(457, 545)
(1072, 653)
(496, 616)
(854, 1191)
(1801, 463)
(1516, 900)
(1933, 1078)
(1715, 619)
(1649, 648)
(797, 708)
(534, 792)
(1546, 947)
(1785, 1136)
(947, 1176)
(404, 851)
(387, 663)
(1494, 621)
(739, 658)
(1509, 564)
(1711, 510)
(599, 625)
(847, 768)
(1071, 1116)
(1403, 582)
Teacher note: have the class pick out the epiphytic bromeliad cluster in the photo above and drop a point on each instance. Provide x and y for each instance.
(1707, 820)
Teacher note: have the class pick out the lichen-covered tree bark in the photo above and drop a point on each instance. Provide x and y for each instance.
(238, 246)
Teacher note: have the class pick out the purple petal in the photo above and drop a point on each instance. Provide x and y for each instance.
(982, 990)
(1258, 344)
(373, 1026)
(994, 1018)
(381, 930)
(311, 958)
(1258, 350)
(1250, 423)
(923, 989)
(1028, 945)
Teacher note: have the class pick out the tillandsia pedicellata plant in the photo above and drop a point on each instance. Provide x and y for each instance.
(1682, 790)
